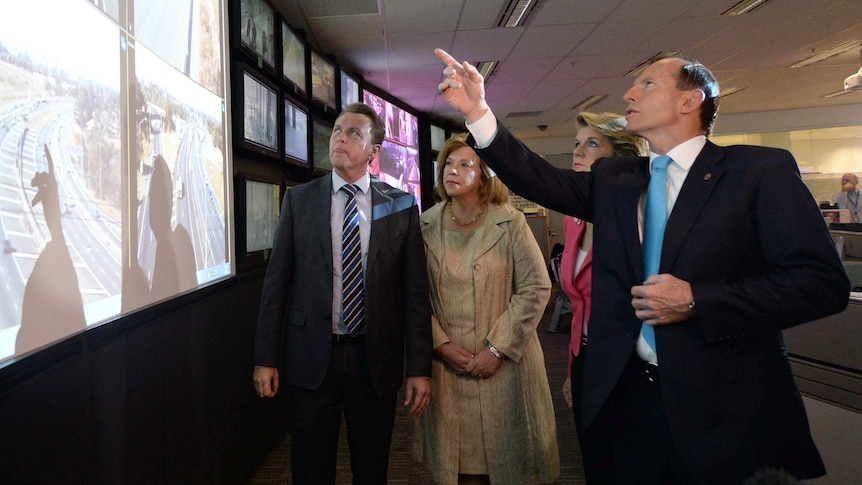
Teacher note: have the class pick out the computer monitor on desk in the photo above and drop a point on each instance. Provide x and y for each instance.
(836, 216)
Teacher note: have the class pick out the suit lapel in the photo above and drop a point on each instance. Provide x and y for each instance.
(321, 224)
(629, 189)
(701, 180)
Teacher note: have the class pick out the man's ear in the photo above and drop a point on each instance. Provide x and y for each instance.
(375, 150)
(695, 98)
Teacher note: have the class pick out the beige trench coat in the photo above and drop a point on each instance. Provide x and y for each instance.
(512, 284)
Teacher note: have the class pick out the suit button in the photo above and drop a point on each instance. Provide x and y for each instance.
(476, 266)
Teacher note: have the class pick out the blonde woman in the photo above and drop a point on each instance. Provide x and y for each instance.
(491, 419)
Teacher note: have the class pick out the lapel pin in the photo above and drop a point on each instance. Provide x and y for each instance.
(707, 176)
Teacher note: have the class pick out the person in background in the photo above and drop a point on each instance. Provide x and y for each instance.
(339, 353)
(492, 419)
(848, 198)
(599, 135)
(686, 378)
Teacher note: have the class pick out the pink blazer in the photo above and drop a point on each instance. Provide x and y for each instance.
(576, 287)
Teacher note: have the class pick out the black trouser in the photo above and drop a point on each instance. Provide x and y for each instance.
(316, 418)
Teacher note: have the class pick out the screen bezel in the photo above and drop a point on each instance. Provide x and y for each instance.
(327, 100)
(320, 144)
(298, 86)
(251, 259)
(306, 162)
(240, 115)
(341, 88)
(253, 51)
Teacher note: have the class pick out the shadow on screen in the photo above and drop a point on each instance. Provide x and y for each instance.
(172, 270)
(52, 306)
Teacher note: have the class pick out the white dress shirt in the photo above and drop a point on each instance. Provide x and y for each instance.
(336, 221)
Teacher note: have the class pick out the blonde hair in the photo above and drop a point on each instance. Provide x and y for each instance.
(613, 127)
(492, 191)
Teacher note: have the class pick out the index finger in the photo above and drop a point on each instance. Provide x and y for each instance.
(50, 160)
(446, 58)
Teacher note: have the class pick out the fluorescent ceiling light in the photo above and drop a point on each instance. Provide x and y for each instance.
(745, 6)
(838, 93)
(635, 72)
(826, 54)
(516, 13)
(487, 68)
(589, 101)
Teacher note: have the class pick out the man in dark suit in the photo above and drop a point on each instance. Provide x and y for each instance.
(332, 361)
(712, 398)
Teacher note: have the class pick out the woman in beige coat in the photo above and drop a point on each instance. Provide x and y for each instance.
(491, 419)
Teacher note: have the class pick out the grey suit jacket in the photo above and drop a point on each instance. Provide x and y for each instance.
(294, 325)
(747, 235)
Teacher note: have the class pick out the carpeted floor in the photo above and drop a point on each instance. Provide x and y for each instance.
(275, 469)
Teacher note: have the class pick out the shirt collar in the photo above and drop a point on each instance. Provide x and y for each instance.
(363, 182)
(685, 153)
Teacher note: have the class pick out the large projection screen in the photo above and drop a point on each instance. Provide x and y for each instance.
(114, 150)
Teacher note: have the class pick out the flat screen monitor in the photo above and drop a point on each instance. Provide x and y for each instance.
(398, 162)
(257, 29)
(295, 133)
(322, 81)
(321, 132)
(259, 113)
(293, 58)
(349, 90)
(117, 137)
(438, 138)
(262, 203)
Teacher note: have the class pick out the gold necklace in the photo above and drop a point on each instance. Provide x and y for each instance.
(471, 221)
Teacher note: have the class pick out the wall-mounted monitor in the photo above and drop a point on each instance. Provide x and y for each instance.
(259, 103)
(398, 162)
(438, 138)
(295, 134)
(257, 206)
(293, 59)
(320, 134)
(323, 81)
(115, 189)
(257, 30)
(349, 90)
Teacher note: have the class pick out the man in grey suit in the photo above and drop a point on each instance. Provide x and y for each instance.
(332, 362)
(712, 398)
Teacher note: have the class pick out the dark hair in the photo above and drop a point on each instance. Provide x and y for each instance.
(378, 129)
(695, 75)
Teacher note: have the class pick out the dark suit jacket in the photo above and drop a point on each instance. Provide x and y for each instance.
(747, 235)
(294, 327)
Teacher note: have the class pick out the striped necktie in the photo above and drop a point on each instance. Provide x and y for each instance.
(655, 219)
(353, 289)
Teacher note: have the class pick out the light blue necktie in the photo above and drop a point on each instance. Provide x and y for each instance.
(352, 296)
(655, 220)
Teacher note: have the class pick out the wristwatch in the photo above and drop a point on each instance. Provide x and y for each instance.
(496, 352)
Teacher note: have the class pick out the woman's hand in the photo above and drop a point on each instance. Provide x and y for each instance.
(484, 365)
(454, 357)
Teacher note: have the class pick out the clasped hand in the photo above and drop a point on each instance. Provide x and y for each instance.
(662, 299)
(464, 363)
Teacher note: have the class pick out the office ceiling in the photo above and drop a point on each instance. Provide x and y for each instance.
(572, 49)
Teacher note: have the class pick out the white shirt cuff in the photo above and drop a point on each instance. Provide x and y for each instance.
(484, 130)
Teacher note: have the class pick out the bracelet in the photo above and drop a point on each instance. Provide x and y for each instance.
(496, 352)
(691, 308)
